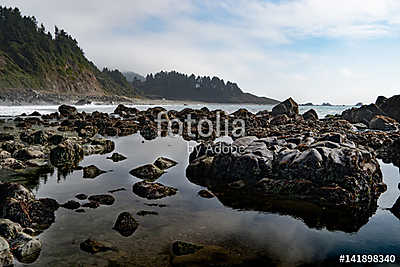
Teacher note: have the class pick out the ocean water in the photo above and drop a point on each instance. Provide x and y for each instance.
(44, 109)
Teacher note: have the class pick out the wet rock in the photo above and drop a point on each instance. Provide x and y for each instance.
(71, 205)
(104, 146)
(363, 114)
(93, 246)
(19, 205)
(188, 254)
(24, 247)
(288, 107)
(66, 154)
(67, 111)
(149, 131)
(117, 190)
(80, 211)
(4, 154)
(28, 153)
(391, 107)
(153, 190)
(126, 225)
(148, 172)
(310, 115)
(56, 139)
(37, 138)
(165, 163)
(81, 196)
(380, 100)
(6, 258)
(205, 194)
(331, 170)
(6, 137)
(117, 157)
(102, 199)
(146, 212)
(11, 146)
(383, 123)
(92, 172)
(91, 205)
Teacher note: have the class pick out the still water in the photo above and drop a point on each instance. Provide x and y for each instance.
(286, 240)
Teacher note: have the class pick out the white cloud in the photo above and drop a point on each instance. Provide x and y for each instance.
(249, 42)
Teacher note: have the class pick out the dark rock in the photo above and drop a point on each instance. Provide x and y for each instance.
(67, 111)
(180, 248)
(153, 190)
(148, 172)
(117, 157)
(310, 115)
(20, 205)
(391, 107)
(71, 205)
(56, 139)
(117, 190)
(363, 114)
(126, 225)
(165, 163)
(205, 194)
(6, 137)
(288, 107)
(93, 246)
(107, 146)
(66, 154)
(28, 153)
(24, 247)
(325, 172)
(92, 172)
(380, 100)
(91, 205)
(81, 196)
(6, 258)
(102, 199)
(146, 212)
(35, 114)
(383, 123)
(80, 211)
(187, 254)
(83, 102)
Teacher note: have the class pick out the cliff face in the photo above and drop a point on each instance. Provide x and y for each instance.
(30, 58)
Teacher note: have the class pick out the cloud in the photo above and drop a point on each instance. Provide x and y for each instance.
(271, 48)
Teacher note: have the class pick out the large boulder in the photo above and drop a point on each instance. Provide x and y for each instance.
(20, 205)
(328, 170)
(148, 172)
(383, 123)
(24, 247)
(67, 111)
(363, 114)
(126, 225)
(153, 190)
(6, 258)
(311, 115)
(288, 107)
(67, 153)
(392, 107)
(380, 100)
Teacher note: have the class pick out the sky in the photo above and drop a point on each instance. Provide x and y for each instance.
(342, 51)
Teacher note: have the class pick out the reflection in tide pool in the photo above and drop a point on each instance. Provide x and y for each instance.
(188, 217)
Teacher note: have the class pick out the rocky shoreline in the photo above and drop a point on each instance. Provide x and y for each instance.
(329, 164)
